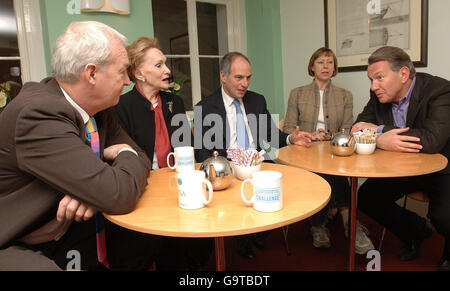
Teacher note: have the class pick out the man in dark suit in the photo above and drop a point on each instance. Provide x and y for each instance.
(53, 179)
(216, 124)
(411, 112)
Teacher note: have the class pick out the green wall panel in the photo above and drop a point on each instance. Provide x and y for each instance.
(55, 19)
(264, 51)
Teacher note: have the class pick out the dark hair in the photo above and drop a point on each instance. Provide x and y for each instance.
(227, 60)
(322, 51)
(396, 57)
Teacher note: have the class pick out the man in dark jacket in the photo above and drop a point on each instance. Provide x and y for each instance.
(234, 117)
(411, 112)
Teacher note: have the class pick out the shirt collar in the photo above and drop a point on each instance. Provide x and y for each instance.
(80, 110)
(408, 95)
(227, 99)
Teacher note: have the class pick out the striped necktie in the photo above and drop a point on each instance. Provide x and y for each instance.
(241, 130)
(93, 137)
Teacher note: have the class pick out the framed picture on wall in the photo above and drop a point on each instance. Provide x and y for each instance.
(356, 28)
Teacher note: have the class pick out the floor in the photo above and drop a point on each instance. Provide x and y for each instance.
(304, 257)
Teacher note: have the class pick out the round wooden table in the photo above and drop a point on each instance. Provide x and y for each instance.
(381, 164)
(157, 211)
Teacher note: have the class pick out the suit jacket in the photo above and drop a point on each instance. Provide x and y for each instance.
(44, 155)
(428, 114)
(138, 120)
(255, 106)
(304, 106)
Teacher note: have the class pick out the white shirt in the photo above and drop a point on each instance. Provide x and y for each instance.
(230, 109)
(321, 118)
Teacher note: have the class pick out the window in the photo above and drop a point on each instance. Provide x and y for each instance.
(194, 35)
(21, 45)
(9, 48)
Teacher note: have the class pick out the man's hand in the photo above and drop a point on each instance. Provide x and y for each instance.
(301, 138)
(393, 141)
(320, 135)
(363, 125)
(111, 152)
(70, 209)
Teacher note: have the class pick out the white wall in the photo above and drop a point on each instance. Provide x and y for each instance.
(302, 26)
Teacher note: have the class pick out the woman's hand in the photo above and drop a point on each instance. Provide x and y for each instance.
(320, 135)
(301, 138)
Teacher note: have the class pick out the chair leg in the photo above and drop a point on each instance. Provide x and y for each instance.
(285, 230)
(382, 238)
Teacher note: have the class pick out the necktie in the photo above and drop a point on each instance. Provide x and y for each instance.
(241, 131)
(92, 136)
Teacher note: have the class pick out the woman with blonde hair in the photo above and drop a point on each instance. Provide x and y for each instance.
(147, 113)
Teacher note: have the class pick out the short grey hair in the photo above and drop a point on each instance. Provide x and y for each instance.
(84, 42)
(227, 60)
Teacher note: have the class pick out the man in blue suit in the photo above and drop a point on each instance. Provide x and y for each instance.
(234, 117)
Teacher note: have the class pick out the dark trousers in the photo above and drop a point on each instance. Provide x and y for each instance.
(245, 240)
(340, 197)
(184, 254)
(126, 249)
(376, 198)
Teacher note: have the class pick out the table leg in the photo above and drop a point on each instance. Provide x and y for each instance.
(352, 223)
(220, 253)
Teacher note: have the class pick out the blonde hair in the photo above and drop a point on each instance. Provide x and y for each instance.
(136, 52)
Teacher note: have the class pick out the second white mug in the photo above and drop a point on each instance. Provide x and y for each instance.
(184, 159)
(191, 189)
(267, 191)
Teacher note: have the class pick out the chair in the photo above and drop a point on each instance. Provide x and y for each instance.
(418, 196)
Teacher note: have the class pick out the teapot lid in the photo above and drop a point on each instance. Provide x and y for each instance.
(215, 159)
(341, 138)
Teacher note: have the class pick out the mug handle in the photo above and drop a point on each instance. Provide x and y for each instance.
(243, 194)
(168, 161)
(210, 189)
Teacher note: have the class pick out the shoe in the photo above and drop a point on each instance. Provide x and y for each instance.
(321, 237)
(259, 242)
(245, 250)
(444, 265)
(363, 244)
(411, 250)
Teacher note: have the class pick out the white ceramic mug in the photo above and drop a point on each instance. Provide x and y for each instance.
(267, 191)
(184, 159)
(191, 189)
